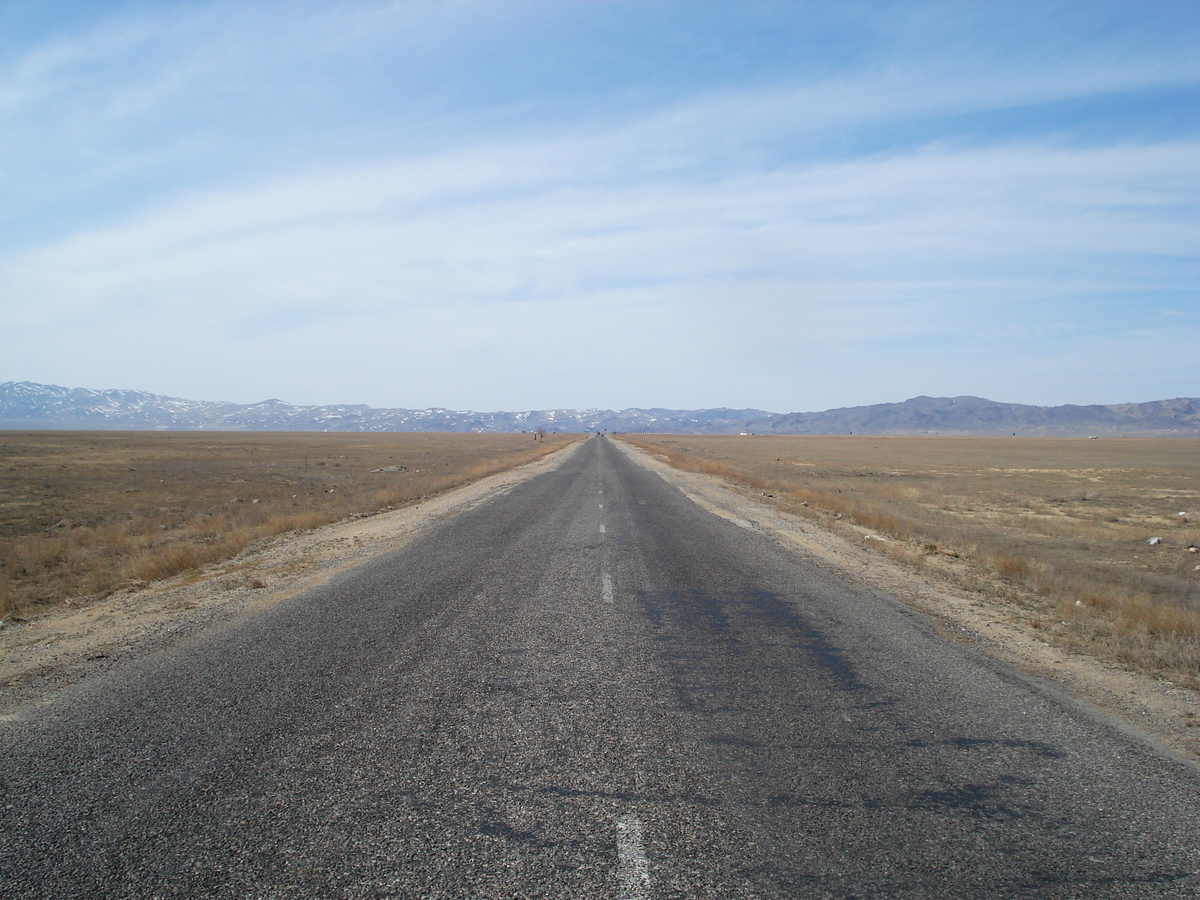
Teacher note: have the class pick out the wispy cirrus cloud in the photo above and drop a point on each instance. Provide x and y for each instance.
(730, 242)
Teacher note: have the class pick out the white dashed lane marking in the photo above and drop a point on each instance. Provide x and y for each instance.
(606, 588)
(632, 865)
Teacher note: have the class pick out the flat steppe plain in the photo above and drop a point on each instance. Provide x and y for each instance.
(83, 514)
(580, 684)
(1036, 548)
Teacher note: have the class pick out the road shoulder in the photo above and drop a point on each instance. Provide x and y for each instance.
(66, 645)
(1158, 710)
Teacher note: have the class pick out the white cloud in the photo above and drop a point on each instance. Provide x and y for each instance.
(721, 249)
(501, 254)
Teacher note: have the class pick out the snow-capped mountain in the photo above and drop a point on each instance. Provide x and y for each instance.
(27, 405)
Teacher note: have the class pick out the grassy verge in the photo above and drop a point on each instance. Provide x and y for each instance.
(1057, 531)
(83, 514)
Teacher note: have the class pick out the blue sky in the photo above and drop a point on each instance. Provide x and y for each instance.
(522, 205)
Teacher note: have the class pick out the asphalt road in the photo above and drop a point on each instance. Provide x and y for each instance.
(586, 687)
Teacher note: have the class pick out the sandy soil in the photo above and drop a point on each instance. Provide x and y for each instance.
(1159, 711)
(54, 650)
(49, 652)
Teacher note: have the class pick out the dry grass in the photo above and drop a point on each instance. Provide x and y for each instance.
(83, 514)
(1055, 529)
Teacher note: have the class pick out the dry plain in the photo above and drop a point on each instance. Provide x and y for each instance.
(84, 514)
(1092, 543)
(1045, 539)
(471, 715)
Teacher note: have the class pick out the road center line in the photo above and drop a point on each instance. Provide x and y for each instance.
(632, 865)
(606, 588)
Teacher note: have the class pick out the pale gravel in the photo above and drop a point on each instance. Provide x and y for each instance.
(1159, 711)
(58, 648)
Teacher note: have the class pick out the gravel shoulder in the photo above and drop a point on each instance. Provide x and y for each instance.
(1159, 711)
(41, 656)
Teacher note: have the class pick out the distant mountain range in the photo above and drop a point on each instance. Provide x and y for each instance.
(25, 405)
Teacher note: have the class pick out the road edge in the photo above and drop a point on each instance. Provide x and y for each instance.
(61, 647)
(1156, 711)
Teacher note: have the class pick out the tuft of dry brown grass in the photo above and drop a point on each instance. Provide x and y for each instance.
(83, 514)
(1057, 529)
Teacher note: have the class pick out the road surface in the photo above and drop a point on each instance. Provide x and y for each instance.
(585, 687)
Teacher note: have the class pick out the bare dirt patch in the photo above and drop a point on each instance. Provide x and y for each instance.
(966, 602)
(60, 646)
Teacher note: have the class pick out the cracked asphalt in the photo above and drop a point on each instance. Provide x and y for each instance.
(586, 687)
